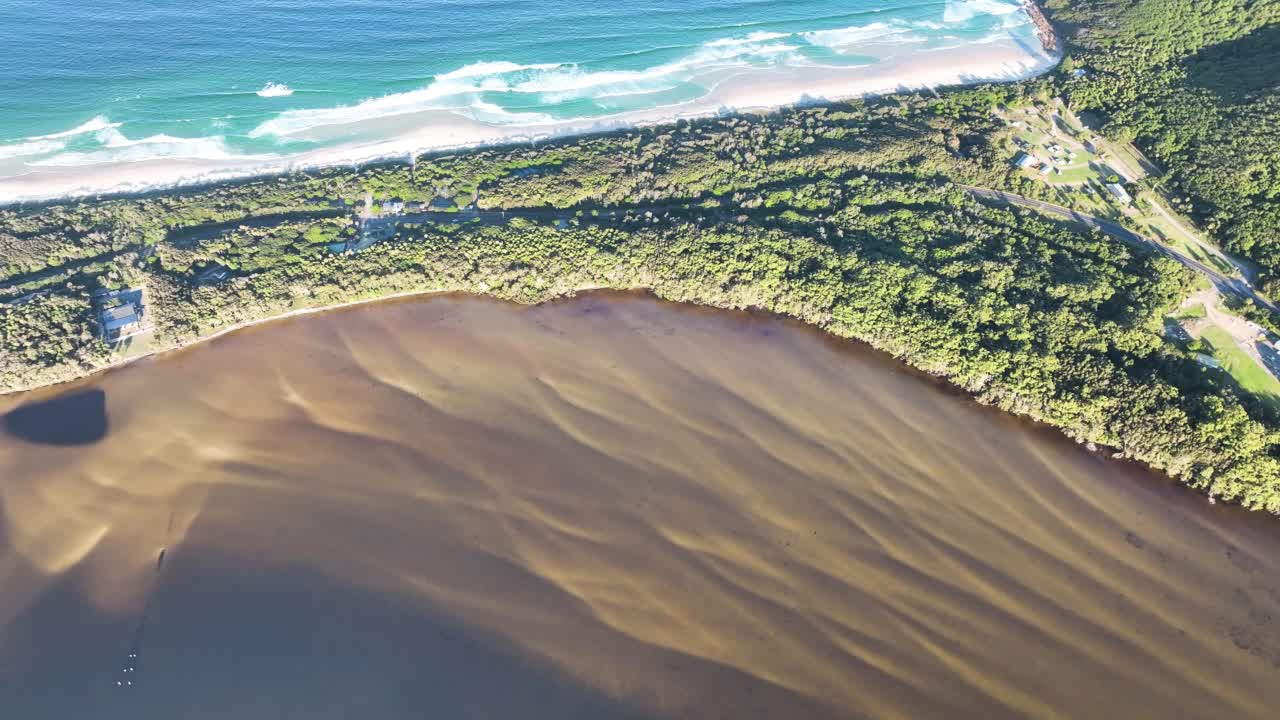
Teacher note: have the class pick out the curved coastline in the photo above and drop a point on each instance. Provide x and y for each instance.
(741, 91)
(851, 217)
(737, 257)
(1107, 452)
(184, 345)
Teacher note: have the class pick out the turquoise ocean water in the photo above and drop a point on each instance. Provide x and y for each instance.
(108, 83)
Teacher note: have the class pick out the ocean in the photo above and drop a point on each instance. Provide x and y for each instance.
(130, 94)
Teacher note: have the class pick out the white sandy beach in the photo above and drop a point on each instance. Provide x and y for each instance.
(733, 90)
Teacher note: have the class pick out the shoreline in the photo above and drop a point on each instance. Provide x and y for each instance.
(1106, 453)
(159, 352)
(737, 92)
(1044, 29)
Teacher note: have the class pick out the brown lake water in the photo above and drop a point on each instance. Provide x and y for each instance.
(608, 507)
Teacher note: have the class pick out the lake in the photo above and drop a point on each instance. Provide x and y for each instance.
(605, 507)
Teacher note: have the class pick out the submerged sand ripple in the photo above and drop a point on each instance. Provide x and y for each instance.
(607, 507)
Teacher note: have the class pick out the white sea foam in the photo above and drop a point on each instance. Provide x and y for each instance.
(554, 83)
(109, 136)
(849, 38)
(464, 107)
(488, 112)
(295, 122)
(37, 145)
(273, 89)
(31, 148)
(500, 67)
(94, 125)
(571, 82)
(116, 148)
(959, 11)
(754, 37)
(468, 80)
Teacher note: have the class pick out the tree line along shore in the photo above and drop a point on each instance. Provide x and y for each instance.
(849, 216)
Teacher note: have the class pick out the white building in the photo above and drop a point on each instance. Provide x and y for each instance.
(1118, 191)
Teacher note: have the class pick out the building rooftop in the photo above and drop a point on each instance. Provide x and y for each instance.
(1119, 192)
(119, 317)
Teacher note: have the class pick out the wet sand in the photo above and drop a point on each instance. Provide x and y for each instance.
(416, 131)
(607, 507)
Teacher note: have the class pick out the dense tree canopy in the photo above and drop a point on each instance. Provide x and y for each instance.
(1196, 83)
(847, 216)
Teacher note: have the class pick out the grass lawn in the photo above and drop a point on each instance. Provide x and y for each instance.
(1076, 172)
(1195, 312)
(1157, 228)
(1096, 203)
(1173, 236)
(1127, 158)
(1089, 169)
(137, 345)
(1199, 253)
(1248, 374)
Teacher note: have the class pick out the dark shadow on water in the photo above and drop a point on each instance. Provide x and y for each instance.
(78, 418)
(233, 642)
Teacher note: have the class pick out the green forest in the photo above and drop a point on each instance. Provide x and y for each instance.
(1196, 84)
(849, 216)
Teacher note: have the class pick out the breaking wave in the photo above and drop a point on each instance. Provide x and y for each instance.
(272, 89)
(28, 149)
(501, 100)
(94, 125)
(959, 11)
(116, 148)
(551, 84)
(880, 32)
(38, 145)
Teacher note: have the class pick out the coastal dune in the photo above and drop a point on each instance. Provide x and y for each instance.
(605, 507)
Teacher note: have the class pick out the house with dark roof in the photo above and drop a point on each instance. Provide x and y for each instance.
(121, 313)
(120, 321)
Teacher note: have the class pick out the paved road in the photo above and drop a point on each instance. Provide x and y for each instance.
(1224, 283)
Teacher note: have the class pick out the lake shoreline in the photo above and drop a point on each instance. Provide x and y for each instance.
(179, 346)
(560, 457)
(901, 362)
(695, 213)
